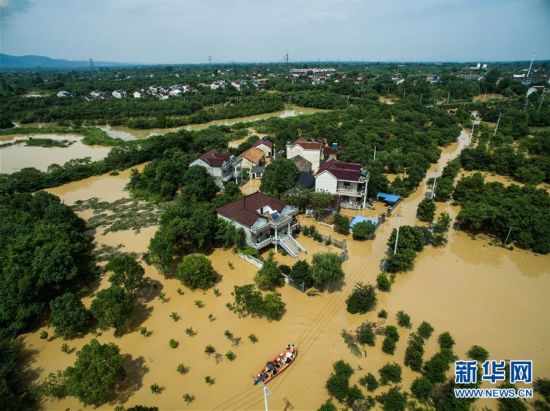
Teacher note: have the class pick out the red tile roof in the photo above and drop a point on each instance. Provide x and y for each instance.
(263, 141)
(253, 154)
(308, 145)
(214, 159)
(341, 170)
(244, 210)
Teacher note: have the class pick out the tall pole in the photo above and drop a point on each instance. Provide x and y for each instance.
(531, 65)
(472, 132)
(267, 393)
(397, 236)
(448, 96)
(433, 187)
(508, 235)
(420, 98)
(374, 156)
(498, 122)
(540, 104)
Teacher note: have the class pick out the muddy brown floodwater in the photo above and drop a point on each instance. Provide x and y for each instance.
(480, 293)
(18, 156)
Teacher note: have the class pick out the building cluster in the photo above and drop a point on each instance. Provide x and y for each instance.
(314, 75)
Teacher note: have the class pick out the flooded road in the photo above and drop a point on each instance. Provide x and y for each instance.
(18, 156)
(480, 293)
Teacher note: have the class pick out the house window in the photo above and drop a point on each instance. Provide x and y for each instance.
(347, 184)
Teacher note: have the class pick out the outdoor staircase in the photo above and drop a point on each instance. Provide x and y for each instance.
(291, 246)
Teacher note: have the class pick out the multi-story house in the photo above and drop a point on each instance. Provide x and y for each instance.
(265, 220)
(312, 151)
(348, 181)
(222, 167)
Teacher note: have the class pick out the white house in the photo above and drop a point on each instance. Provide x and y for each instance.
(265, 145)
(312, 151)
(220, 166)
(138, 94)
(346, 180)
(175, 93)
(119, 94)
(265, 221)
(251, 158)
(63, 93)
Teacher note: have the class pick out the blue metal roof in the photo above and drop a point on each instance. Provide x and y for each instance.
(388, 198)
(359, 219)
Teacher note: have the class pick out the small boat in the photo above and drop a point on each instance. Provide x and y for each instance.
(277, 365)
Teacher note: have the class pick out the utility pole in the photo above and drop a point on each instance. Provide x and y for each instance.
(508, 235)
(374, 156)
(498, 122)
(448, 96)
(397, 236)
(472, 132)
(434, 185)
(420, 98)
(347, 101)
(540, 104)
(267, 393)
(531, 65)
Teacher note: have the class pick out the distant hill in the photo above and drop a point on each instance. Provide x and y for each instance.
(33, 62)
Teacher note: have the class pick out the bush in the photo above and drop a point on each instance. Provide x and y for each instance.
(362, 299)
(326, 269)
(209, 349)
(95, 373)
(341, 224)
(388, 345)
(253, 338)
(369, 381)
(393, 400)
(390, 373)
(230, 355)
(301, 274)
(195, 271)
(269, 276)
(209, 380)
(44, 335)
(414, 352)
(328, 406)
(542, 386)
(363, 231)
(113, 307)
(425, 330)
(68, 315)
(391, 332)
(426, 210)
(338, 384)
(273, 306)
(382, 314)
(404, 320)
(182, 369)
(446, 341)
(422, 388)
(436, 367)
(173, 343)
(478, 353)
(383, 282)
(365, 334)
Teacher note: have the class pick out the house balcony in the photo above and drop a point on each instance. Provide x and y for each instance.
(349, 192)
(262, 244)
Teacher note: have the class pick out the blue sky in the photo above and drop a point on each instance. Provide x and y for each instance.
(188, 31)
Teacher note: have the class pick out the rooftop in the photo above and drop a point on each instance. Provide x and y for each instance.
(264, 141)
(253, 154)
(308, 145)
(214, 158)
(247, 210)
(341, 170)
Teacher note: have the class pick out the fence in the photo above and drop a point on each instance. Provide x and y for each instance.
(251, 260)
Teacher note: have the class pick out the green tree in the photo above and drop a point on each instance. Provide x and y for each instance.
(511, 404)
(414, 352)
(328, 406)
(248, 300)
(363, 230)
(273, 306)
(436, 367)
(369, 381)
(393, 400)
(269, 276)
(301, 274)
(383, 282)
(126, 272)
(113, 307)
(421, 388)
(95, 373)
(403, 319)
(341, 224)
(362, 299)
(426, 210)
(195, 271)
(390, 373)
(279, 177)
(478, 353)
(326, 269)
(69, 317)
(446, 341)
(425, 330)
(365, 334)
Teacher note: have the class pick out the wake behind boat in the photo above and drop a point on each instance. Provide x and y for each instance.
(276, 366)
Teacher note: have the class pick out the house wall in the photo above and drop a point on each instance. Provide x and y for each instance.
(326, 182)
(246, 229)
(215, 172)
(246, 163)
(313, 156)
(265, 149)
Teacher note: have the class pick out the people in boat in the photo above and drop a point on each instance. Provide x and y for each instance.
(289, 357)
